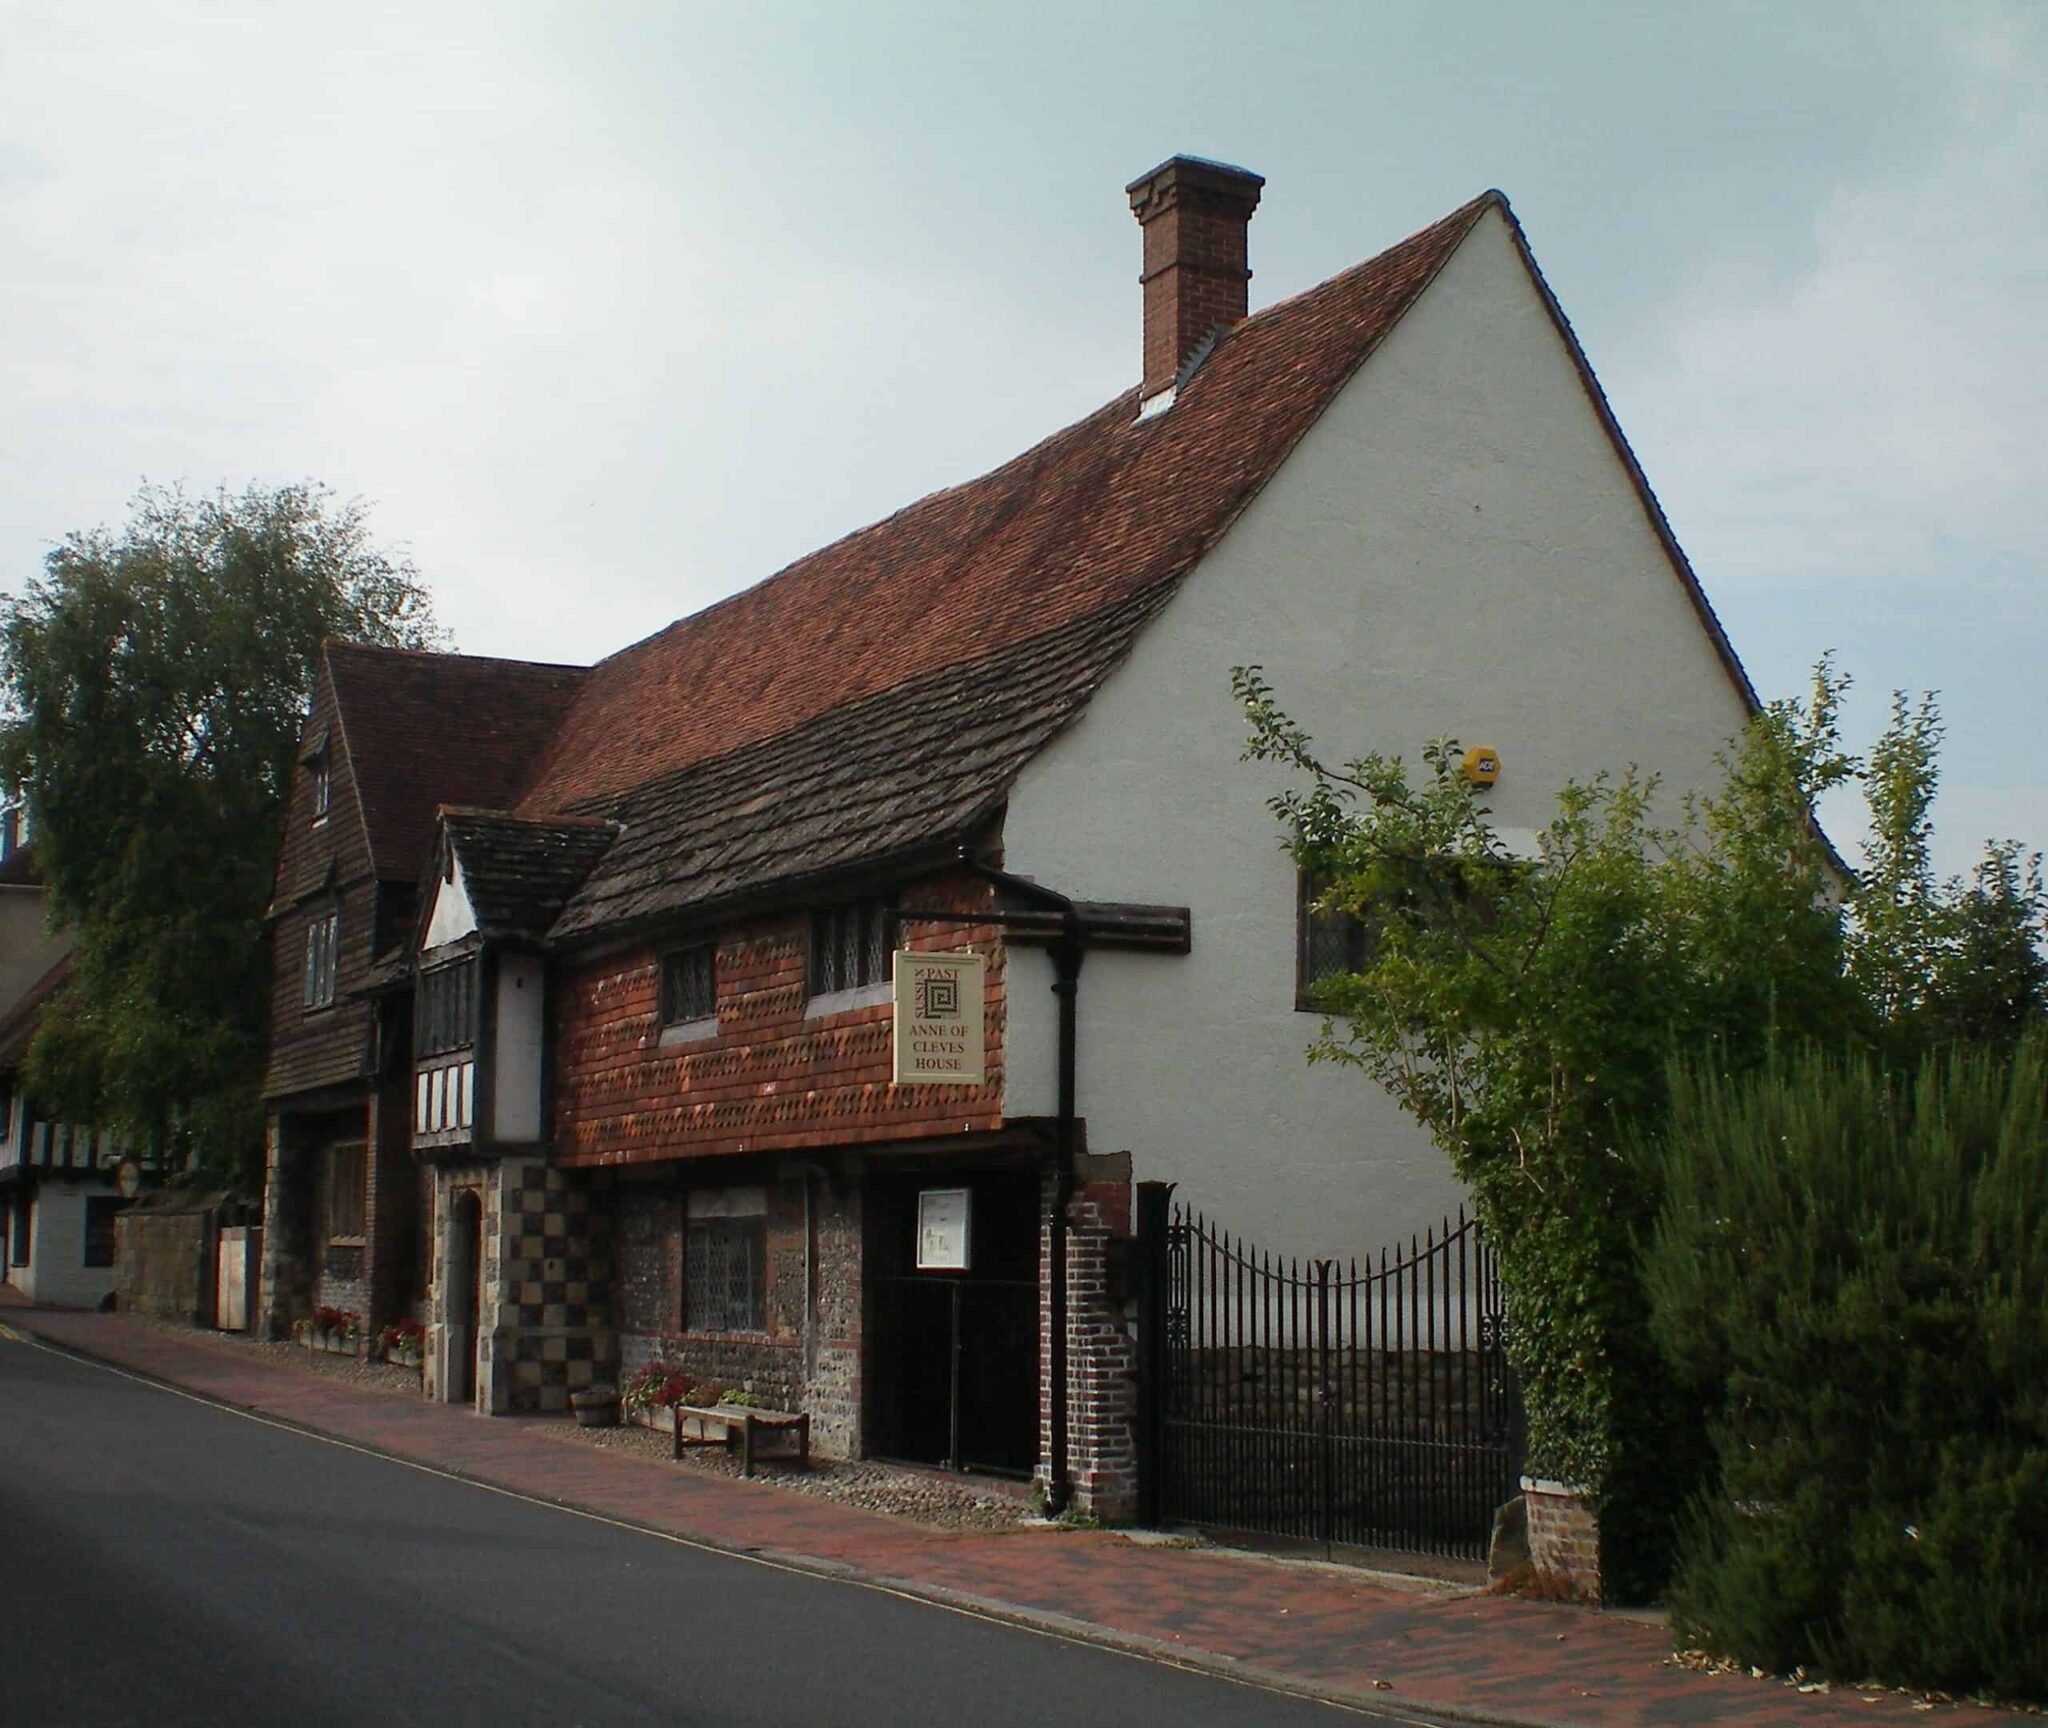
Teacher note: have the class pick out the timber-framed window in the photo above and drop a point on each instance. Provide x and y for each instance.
(850, 945)
(323, 958)
(344, 1192)
(444, 1015)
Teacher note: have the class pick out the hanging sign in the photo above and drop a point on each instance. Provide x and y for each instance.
(938, 1019)
(942, 1219)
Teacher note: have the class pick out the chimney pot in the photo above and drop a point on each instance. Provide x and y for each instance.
(1194, 214)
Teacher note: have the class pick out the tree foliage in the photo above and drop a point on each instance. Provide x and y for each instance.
(156, 679)
(1525, 1011)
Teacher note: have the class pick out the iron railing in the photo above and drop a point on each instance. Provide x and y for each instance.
(1363, 1403)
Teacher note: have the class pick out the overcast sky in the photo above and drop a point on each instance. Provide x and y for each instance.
(610, 309)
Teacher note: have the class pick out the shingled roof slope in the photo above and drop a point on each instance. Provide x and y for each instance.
(520, 871)
(919, 765)
(1096, 514)
(424, 730)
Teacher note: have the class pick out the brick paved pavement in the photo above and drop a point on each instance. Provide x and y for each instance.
(1351, 1635)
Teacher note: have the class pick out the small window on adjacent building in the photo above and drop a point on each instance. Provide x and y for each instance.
(850, 945)
(317, 770)
(444, 1016)
(100, 1214)
(689, 985)
(323, 954)
(24, 1227)
(725, 1260)
(342, 1197)
(1327, 944)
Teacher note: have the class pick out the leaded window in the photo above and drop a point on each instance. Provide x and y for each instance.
(689, 985)
(323, 958)
(850, 945)
(725, 1265)
(1329, 944)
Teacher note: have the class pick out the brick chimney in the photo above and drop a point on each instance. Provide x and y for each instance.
(1194, 214)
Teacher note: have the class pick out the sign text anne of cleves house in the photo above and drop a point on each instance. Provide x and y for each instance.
(938, 1022)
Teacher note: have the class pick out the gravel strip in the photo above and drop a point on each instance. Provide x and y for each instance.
(927, 1497)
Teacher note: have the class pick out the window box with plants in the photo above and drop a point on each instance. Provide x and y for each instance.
(336, 1330)
(403, 1343)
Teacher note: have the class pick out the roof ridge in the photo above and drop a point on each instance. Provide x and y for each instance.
(346, 645)
(1460, 220)
(1086, 516)
(1466, 212)
(488, 813)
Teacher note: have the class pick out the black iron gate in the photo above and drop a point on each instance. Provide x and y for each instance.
(1366, 1404)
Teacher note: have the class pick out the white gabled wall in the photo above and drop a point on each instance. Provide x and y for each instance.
(57, 1273)
(453, 916)
(1454, 548)
(516, 1106)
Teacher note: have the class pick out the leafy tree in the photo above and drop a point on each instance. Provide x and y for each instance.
(1525, 1012)
(155, 680)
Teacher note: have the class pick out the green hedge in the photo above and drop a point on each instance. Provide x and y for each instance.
(1849, 1275)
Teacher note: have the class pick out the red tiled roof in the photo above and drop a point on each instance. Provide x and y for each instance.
(1093, 516)
(423, 730)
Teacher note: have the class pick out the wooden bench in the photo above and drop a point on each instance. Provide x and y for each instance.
(744, 1424)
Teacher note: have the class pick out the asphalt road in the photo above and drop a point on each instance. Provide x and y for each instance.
(164, 1561)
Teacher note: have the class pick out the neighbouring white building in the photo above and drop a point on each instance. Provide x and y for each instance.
(58, 1194)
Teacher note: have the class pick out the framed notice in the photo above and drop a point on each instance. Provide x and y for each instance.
(943, 1215)
(938, 1031)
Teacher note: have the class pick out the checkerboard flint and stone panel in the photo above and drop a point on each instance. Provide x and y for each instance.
(550, 1266)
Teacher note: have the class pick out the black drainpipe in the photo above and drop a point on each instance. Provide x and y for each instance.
(1067, 951)
(1067, 955)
